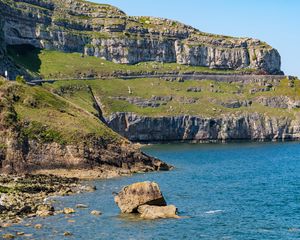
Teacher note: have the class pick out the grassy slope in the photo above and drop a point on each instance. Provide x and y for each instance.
(57, 64)
(52, 118)
(146, 88)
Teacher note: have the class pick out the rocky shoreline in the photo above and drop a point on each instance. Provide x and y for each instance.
(31, 196)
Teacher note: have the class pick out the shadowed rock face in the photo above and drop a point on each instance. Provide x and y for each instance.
(105, 31)
(251, 126)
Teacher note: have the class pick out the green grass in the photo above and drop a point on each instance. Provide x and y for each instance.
(4, 189)
(47, 117)
(54, 64)
(208, 101)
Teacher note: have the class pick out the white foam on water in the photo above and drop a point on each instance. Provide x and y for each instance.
(214, 211)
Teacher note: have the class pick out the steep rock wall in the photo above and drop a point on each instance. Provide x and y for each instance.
(106, 32)
(251, 126)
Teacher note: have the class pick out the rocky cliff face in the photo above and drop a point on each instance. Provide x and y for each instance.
(24, 150)
(105, 31)
(251, 126)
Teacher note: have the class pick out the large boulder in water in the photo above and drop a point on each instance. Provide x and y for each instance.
(155, 212)
(137, 194)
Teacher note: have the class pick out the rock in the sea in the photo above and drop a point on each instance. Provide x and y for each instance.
(155, 212)
(66, 234)
(8, 236)
(137, 194)
(96, 213)
(45, 210)
(68, 211)
(38, 226)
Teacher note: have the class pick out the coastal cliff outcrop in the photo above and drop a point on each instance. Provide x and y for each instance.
(250, 126)
(28, 143)
(106, 32)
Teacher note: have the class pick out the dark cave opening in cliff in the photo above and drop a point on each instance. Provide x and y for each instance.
(26, 56)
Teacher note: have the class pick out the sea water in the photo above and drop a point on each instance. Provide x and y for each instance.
(222, 191)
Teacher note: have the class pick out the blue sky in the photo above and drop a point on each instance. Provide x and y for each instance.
(274, 21)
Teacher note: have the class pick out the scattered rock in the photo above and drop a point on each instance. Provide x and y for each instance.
(28, 196)
(137, 194)
(8, 236)
(194, 89)
(24, 210)
(38, 226)
(154, 102)
(155, 212)
(96, 213)
(45, 210)
(2, 209)
(88, 188)
(20, 233)
(66, 234)
(278, 102)
(68, 211)
(236, 104)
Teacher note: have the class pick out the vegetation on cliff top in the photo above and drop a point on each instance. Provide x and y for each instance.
(192, 97)
(47, 117)
(54, 64)
(210, 101)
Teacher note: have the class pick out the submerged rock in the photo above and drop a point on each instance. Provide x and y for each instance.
(96, 213)
(137, 194)
(38, 226)
(155, 212)
(66, 234)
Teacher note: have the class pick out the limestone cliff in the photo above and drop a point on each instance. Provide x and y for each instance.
(107, 32)
(255, 126)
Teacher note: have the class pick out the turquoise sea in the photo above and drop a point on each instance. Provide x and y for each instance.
(223, 191)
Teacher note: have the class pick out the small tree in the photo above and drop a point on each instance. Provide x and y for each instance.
(20, 79)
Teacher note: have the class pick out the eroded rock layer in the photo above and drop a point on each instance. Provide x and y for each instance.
(246, 126)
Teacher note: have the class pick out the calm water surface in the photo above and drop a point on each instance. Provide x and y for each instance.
(226, 191)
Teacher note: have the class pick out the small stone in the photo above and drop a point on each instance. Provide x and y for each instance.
(38, 226)
(20, 233)
(81, 206)
(8, 236)
(96, 213)
(68, 211)
(90, 188)
(66, 234)
(71, 221)
(45, 210)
